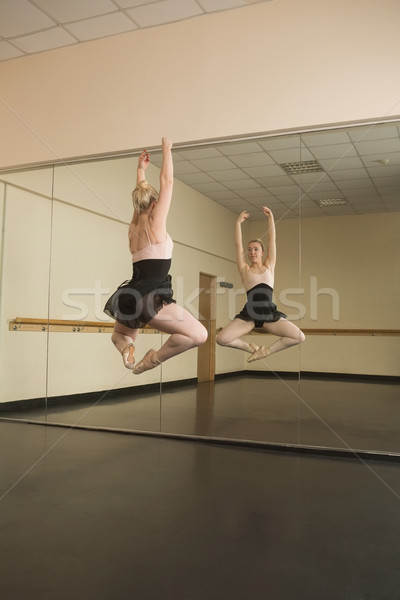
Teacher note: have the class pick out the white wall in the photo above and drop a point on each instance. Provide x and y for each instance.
(266, 67)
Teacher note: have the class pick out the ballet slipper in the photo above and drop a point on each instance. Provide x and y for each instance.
(149, 361)
(253, 348)
(261, 352)
(128, 356)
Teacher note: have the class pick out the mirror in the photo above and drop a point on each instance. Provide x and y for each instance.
(92, 202)
(335, 280)
(350, 256)
(26, 222)
(87, 382)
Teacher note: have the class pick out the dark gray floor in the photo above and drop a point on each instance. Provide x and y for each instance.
(107, 516)
(350, 415)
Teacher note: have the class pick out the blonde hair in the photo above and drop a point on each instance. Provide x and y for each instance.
(258, 241)
(142, 196)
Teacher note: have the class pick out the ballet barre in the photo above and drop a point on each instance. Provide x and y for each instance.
(64, 325)
(353, 332)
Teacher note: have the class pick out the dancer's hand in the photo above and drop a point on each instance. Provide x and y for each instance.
(166, 144)
(144, 160)
(267, 211)
(242, 217)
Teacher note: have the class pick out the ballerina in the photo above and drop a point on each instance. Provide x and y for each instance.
(259, 310)
(147, 299)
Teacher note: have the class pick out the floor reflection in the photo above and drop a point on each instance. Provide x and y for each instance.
(354, 415)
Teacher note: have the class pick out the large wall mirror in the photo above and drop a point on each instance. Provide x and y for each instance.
(335, 196)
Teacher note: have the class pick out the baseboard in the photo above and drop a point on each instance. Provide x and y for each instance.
(130, 392)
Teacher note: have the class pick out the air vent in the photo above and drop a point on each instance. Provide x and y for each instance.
(331, 202)
(307, 166)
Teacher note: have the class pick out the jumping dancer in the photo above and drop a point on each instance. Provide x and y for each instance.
(259, 310)
(147, 297)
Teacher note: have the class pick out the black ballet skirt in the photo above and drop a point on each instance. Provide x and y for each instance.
(259, 306)
(137, 301)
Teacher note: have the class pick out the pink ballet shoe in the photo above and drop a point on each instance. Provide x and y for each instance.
(259, 353)
(149, 361)
(128, 356)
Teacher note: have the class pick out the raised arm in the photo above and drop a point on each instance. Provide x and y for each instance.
(270, 258)
(240, 260)
(160, 211)
(143, 162)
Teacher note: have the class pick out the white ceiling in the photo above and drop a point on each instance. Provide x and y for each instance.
(32, 26)
(360, 165)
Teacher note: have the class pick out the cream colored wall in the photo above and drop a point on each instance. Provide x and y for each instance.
(277, 65)
(349, 280)
(25, 278)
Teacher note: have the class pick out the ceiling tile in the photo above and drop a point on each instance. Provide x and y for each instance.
(233, 148)
(335, 164)
(334, 151)
(132, 3)
(7, 51)
(164, 11)
(351, 174)
(91, 29)
(216, 5)
(379, 172)
(223, 196)
(214, 164)
(325, 138)
(45, 40)
(18, 17)
(73, 10)
(230, 175)
(203, 152)
(281, 142)
(209, 187)
(252, 159)
(378, 160)
(291, 155)
(268, 170)
(181, 168)
(241, 185)
(378, 146)
(362, 184)
(227, 195)
(254, 193)
(193, 178)
(372, 132)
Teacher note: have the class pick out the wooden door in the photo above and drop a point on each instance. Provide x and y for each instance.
(207, 316)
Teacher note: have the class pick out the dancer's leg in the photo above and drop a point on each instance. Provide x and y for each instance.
(290, 335)
(186, 332)
(231, 335)
(123, 338)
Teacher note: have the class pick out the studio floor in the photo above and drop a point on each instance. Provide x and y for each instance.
(319, 412)
(98, 515)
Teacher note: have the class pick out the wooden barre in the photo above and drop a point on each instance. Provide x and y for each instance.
(60, 325)
(354, 332)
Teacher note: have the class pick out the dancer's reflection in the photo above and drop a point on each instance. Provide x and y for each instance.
(147, 297)
(259, 310)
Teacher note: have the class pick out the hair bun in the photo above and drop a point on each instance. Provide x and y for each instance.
(142, 184)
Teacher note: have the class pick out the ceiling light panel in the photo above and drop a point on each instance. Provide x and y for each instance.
(294, 168)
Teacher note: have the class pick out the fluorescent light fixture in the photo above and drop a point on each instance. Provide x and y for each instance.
(331, 202)
(307, 166)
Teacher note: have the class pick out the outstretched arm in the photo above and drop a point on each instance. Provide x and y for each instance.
(270, 259)
(160, 211)
(143, 162)
(240, 260)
